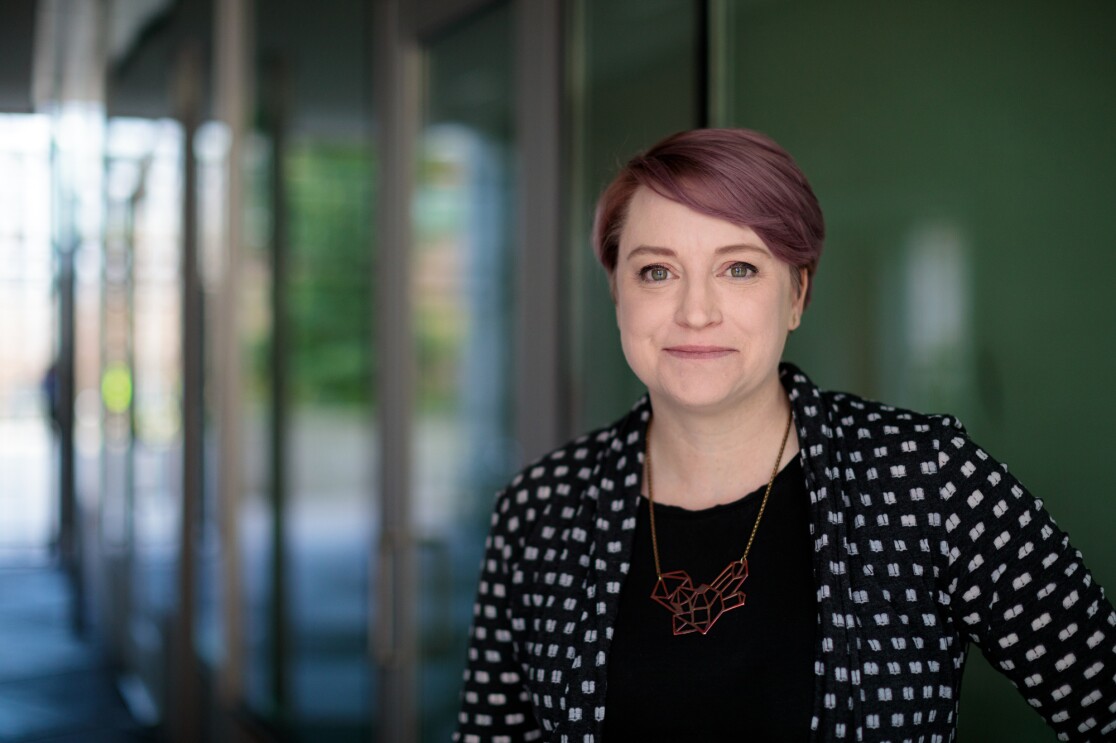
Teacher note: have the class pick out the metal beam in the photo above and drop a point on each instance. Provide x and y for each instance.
(186, 699)
(233, 52)
(421, 19)
(539, 396)
(396, 70)
(275, 106)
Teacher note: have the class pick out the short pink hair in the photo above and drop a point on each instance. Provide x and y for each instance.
(738, 175)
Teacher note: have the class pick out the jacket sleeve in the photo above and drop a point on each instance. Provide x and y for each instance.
(495, 703)
(1023, 594)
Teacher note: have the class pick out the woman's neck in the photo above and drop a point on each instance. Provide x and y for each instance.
(703, 460)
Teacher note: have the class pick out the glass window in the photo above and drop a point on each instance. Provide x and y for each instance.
(28, 360)
(636, 67)
(308, 523)
(330, 447)
(139, 394)
(256, 518)
(463, 295)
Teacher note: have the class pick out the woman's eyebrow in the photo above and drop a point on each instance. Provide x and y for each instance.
(747, 247)
(668, 252)
(650, 250)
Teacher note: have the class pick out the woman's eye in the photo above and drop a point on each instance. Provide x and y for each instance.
(655, 273)
(741, 270)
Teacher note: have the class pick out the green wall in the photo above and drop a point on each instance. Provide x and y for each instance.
(965, 159)
(964, 156)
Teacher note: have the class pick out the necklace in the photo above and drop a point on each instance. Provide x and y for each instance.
(696, 610)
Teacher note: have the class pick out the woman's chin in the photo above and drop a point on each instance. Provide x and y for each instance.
(710, 394)
(697, 400)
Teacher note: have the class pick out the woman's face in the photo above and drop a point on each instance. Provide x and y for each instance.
(703, 306)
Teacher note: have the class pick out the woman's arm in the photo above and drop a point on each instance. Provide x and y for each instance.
(495, 703)
(1023, 595)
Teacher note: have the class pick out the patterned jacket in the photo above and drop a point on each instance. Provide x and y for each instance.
(922, 543)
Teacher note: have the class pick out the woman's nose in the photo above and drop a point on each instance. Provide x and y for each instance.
(697, 306)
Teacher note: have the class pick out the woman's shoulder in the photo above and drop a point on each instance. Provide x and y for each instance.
(867, 415)
(849, 415)
(894, 449)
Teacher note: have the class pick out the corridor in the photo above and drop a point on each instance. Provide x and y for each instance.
(54, 687)
(289, 291)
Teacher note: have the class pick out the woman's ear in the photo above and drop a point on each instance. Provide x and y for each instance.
(799, 305)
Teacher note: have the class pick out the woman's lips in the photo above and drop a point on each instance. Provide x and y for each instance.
(698, 352)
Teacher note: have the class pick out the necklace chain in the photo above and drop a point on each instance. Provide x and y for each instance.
(763, 504)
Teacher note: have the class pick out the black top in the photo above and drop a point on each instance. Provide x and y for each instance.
(751, 677)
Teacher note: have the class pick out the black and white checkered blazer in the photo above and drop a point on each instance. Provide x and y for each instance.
(922, 543)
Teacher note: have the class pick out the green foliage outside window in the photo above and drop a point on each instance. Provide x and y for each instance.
(329, 197)
(329, 288)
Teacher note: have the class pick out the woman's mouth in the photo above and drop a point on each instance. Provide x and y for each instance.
(698, 353)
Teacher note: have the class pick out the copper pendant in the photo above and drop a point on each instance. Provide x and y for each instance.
(696, 610)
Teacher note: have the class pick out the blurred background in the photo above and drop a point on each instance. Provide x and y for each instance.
(288, 289)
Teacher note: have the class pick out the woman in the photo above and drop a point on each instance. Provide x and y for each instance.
(747, 556)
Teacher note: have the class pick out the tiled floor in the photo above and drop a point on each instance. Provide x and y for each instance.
(54, 688)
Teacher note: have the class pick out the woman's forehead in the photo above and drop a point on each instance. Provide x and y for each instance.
(657, 224)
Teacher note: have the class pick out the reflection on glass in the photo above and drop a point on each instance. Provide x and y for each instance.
(936, 350)
(463, 271)
(254, 519)
(142, 348)
(324, 685)
(330, 446)
(307, 522)
(28, 379)
(210, 150)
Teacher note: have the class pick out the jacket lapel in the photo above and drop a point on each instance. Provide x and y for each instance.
(613, 496)
(837, 666)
